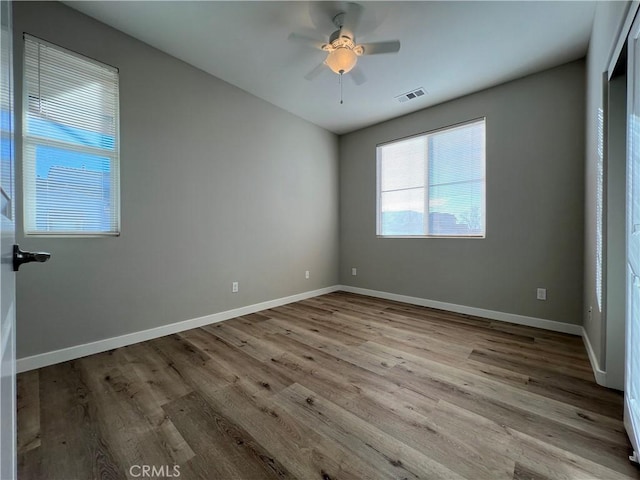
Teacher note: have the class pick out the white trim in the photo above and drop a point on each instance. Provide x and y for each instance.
(478, 312)
(600, 375)
(57, 356)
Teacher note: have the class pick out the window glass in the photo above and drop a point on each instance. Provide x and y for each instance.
(71, 147)
(433, 184)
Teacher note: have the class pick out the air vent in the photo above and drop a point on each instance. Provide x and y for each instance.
(417, 93)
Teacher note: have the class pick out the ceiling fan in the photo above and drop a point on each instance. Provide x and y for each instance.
(342, 49)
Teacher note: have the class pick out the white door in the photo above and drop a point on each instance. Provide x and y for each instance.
(632, 361)
(7, 239)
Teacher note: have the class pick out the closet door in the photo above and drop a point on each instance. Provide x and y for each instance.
(632, 360)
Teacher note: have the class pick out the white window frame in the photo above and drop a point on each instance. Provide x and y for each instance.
(426, 184)
(32, 142)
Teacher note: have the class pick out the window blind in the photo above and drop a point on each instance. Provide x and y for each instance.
(433, 184)
(71, 169)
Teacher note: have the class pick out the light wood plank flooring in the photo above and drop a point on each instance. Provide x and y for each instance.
(340, 386)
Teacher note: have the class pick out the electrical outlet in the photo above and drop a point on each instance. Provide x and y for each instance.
(234, 287)
(542, 294)
(306, 274)
(354, 271)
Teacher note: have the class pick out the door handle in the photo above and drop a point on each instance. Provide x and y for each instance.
(20, 257)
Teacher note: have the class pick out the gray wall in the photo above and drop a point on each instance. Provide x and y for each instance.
(607, 21)
(217, 186)
(535, 195)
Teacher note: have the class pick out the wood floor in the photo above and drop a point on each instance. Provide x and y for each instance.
(340, 386)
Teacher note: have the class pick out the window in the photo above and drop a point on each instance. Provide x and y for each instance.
(433, 184)
(71, 174)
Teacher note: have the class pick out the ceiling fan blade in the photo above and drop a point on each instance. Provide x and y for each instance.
(316, 71)
(357, 75)
(352, 18)
(306, 41)
(376, 48)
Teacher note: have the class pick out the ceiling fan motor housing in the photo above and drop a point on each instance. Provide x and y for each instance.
(342, 39)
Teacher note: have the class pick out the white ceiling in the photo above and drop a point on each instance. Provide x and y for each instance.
(449, 48)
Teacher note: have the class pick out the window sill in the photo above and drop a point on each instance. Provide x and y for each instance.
(463, 237)
(69, 235)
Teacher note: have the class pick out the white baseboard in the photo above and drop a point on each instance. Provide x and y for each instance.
(478, 312)
(78, 351)
(601, 375)
(57, 356)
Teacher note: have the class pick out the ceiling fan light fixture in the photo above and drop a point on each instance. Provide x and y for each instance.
(341, 60)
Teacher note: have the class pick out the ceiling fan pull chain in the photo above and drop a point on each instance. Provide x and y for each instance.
(341, 102)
